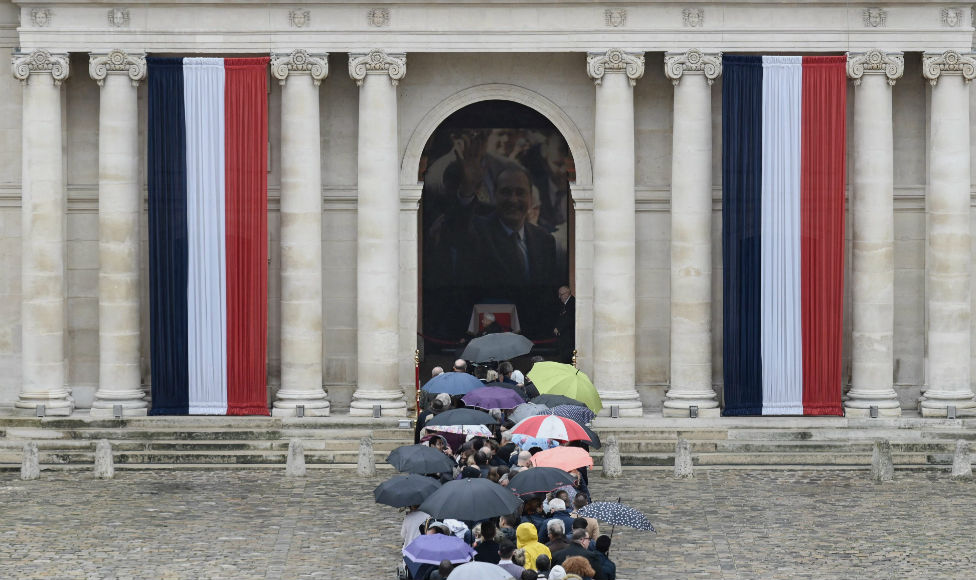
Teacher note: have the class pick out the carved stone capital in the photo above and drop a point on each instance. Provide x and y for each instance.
(949, 62)
(694, 61)
(118, 61)
(300, 61)
(40, 61)
(890, 64)
(615, 61)
(377, 62)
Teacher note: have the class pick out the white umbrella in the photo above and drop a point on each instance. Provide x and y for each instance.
(479, 571)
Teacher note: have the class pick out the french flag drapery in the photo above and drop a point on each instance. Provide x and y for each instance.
(783, 150)
(208, 271)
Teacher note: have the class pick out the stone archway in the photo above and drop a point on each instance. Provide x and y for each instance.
(426, 129)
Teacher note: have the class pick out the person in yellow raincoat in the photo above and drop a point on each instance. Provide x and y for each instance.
(528, 540)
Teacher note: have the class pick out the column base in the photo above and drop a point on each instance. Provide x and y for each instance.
(629, 403)
(364, 408)
(930, 407)
(859, 405)
(317, 408)
(678, 401)
(52, 407)
(128, 409)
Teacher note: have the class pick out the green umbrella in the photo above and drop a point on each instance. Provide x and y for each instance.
(562, 379)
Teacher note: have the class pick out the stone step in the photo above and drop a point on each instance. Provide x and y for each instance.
(25, 433)
(780, 446)
(764, 459)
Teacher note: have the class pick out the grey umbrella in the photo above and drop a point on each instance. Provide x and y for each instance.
(419, 459)
(526, 410)
(471, 499)
(496, 347)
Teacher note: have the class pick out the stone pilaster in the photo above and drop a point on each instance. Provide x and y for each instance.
(300, 74)
(119, 210)
(872, 205)
(43, 234)
(692, 74)
(948, 253)
(615, 73)
(377, 240)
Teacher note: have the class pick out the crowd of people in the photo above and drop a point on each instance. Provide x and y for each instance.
(546, 538)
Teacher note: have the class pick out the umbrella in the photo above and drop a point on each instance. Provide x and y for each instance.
(461, 417)
(594, 438)
(581, 415)
(563, 379)
(565, 458)
(471, 500)
(462, 429)
(452, 383)
(555, 400)
(493, 398)
(419, 459)
(437, 547)
(526, 410)
(617, 514)
(539, 480)
(496, 346)
(526, 442)
(551, 427)
(479, 571)
(405, 490)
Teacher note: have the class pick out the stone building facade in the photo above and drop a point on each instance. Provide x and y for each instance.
(635, 89)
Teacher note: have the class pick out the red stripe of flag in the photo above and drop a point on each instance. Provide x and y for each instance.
(822, 211)
(246, 116)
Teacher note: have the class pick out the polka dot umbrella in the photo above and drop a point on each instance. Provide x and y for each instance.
(617, 514)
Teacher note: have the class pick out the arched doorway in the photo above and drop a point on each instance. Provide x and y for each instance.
(496, 228)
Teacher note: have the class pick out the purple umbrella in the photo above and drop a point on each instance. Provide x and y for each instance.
(492, 398)
(437, 547)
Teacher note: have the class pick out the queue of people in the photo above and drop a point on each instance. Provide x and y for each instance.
(546, 538)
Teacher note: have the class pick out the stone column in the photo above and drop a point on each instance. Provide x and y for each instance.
(119, 211)
(300, 73)
(872, 205)
(692, 74)
(948, 253)
(43, 208)
(377, 239)
(614, 230)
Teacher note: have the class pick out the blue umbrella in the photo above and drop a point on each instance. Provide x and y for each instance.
(526, 442)
(452, 383)
(437, 547)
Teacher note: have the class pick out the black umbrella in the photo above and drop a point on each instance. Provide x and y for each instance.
(539, 479)
(496, 347)
(471, 499)
(594, 438)
(405, 490)
(420, 459)
(461, 417)
(556, 400)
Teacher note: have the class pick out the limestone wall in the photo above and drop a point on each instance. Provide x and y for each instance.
(432, 78)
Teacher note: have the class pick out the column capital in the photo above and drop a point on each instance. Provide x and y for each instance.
(693, 61)
(300, 61)
(617, 61)
(890, 64)
(118, 61)
(40, 61)
(950, 62)
(377, 61)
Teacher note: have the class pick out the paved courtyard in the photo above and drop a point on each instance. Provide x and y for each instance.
(258, 524)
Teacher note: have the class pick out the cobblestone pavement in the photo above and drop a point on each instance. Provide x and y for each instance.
(258, 524)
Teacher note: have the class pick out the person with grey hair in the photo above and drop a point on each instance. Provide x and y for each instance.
(557, 511)
(557, 535)
(460, 366)
(580, 546)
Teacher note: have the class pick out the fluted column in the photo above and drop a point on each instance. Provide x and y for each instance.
(43, 233)
(872, 205)
(614, 230)
(119, 208)
(377, 239)
(692, 74)
(948, 254)
(300, 74)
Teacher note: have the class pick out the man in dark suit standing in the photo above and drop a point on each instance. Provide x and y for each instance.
(516, 260)
(565, 330)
